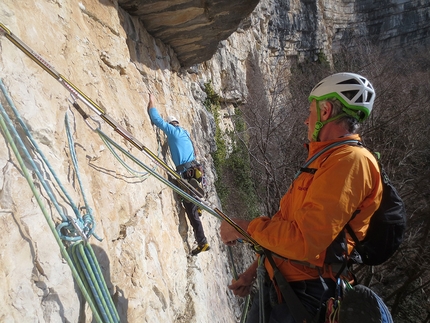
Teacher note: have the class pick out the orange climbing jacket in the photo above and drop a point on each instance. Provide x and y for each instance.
(318, 205)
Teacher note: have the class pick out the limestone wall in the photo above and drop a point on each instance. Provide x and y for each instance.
(146, 239)
(110, 56)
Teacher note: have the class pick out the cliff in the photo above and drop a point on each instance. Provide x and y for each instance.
(192, 28)
(116, 53)
(144, 254)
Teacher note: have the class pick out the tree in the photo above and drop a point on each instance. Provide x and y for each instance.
(398, 128)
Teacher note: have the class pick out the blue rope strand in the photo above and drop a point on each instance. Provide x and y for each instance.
(36, 168)
(8, 127)
(87, 223)
(103, 282)
(88, 277)
(24, 149)
(102, 290)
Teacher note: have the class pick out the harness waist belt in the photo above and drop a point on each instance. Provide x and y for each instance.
(335, 267)
(183, 167)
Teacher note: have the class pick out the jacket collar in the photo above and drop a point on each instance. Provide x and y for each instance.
(316, 146)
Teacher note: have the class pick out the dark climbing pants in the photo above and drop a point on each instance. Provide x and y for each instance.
(196, 223)
(310, 293)
(194, 216)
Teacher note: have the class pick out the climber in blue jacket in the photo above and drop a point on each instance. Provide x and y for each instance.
(183, 156)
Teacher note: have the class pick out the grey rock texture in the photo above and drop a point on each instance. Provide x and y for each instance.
(193, 28)
(116, 58)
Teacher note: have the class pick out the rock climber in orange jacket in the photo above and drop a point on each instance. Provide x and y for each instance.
(317, 205)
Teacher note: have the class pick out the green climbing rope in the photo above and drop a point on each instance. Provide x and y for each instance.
(89, 270)
(140, 175)
(102, 298)
(5, 128)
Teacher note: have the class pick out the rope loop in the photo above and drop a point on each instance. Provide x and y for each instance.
(11, 135)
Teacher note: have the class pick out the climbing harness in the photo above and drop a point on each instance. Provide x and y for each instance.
(152, 172)
(71, 231)
(78, 94)
(191, 194)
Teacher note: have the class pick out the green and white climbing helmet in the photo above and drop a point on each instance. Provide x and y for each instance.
(354, 91)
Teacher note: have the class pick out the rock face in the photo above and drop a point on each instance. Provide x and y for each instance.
(192, 28)
(144, 254)
(109, 54)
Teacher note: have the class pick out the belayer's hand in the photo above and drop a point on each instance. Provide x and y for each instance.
(229, 235)
(242, 286)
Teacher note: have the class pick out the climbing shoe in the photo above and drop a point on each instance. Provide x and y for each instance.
(200, 248)
(199, 211)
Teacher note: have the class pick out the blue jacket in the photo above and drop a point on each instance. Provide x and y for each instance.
(178, 139)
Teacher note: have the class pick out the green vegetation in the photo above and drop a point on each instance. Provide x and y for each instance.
(234, 183)
(239, 163)
(213, 105)
(322, 59)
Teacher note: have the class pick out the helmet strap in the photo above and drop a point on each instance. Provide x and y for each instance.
(319, 124)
